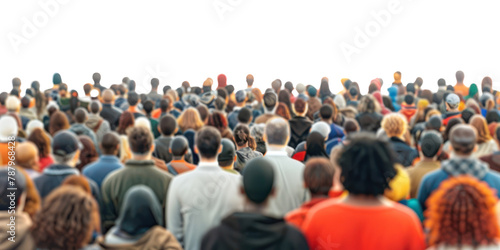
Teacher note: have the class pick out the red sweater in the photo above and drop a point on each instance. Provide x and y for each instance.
(333, 225)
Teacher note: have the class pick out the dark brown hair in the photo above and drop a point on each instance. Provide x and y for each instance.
(58, 121)
(140, 140)
(283, 111)
(318, 175)
(88, 154)
(42, 142)
(242, 136)
(126, 120)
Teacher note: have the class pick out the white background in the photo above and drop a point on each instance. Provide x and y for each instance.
(298, 41)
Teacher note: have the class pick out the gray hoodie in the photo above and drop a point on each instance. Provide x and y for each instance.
(98, 125)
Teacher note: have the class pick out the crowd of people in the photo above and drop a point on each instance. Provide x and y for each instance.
(217, 167)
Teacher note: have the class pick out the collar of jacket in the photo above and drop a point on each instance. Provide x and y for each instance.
(60, 169)
(141, 163)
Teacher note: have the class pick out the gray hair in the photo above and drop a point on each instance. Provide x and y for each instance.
(64, 160)
(277, 131)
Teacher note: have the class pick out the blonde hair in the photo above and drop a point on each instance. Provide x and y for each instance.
(394, 125)
(190, 119)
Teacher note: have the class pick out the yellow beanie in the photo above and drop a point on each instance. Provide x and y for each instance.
(400, 185)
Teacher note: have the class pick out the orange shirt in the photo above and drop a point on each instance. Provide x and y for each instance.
(4, 152)
(184, 166)
(461, 89)
(297, 216)
(334, 225)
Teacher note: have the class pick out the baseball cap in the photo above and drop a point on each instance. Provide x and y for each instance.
(8, 129)
(300, 88)
(65, 143)
(430, 143)
(240, 96)
(452, 99)
(228, 151)
(258, 179)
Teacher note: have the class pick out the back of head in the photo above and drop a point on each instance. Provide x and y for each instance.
(96, 77)
(26, 154)
(132, 98)
(318, 176)
(430, 143)
(270, 101)
(140, 140)
(3, 97)
(95, 107)
(258, 180)
(12, 103)
(154, 83)
(164, 104)
(277, 132)
(300, 88)
(460, 76)
(166, 89)
(456, 199)
(441, 82)
(56, 79)
(492, 116)
(131, 86)
(80, 115)
(289, 86)
(203, 111)
(109, 143)
(409, 99)
(220, 103)
(222, 92)
(300, 106)
(483, 133)
(87, 88)
(226, 157)
(250, 80)
(463, 139)
(351, 126)
(12, 181)
(245, 115)
(322, 128)
(25, 102)
(326, 112)
(410, 88)
(168, 125)
(394, 125)
(207, 141)
(276, 85)
(367, 165)
(179, 146)
(148, 106)
(241, 134)
(78, 181)
(467, 114)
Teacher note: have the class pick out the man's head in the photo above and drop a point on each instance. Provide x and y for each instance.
(300, 88)
(131, 86)
(97, 78)
(367, 165)
(154, 83)
(289, 86)
(249, 80)
(87, 88)
(27, 155)
(164, 104)
(350, 126)
(25, 102)
(168, 125)
(277, 132)
(430, 144)
(81, 115)
(148, 106)
(16, 83)
(452, 101)
(300, 107)
(441, 83)
(108, 96)
(3, 98)
(140, 140)
(56, 79)
(12, 190)
(110, 143)
(66, 148)
(409, 99)
(207, 143)
(326, 112)
(95, 107)
(258, 181)
(460, 76)
(245, 116)
(240, 97)
(270, 101)
(276, 85)
(463, 139)
(227, 156)
(318, 176)
(133, 99)
(179, 146)
(166, 88)
(394, 125)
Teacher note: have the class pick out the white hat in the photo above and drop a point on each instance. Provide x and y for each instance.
(321, 127)
(12, 103)
(142, 122)
(32, 125)
(8, 128)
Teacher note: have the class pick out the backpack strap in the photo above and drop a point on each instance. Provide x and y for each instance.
(171, 169)
(98, 126)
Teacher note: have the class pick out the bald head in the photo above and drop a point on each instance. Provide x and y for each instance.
(463, 139)
(108, 96)
(27, 155)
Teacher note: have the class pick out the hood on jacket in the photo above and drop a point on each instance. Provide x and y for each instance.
(252, 231)
(393, 92)
(93, 121)
(155, 238)
(470, 166)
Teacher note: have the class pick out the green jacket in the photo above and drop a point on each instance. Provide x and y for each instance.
(118, 182)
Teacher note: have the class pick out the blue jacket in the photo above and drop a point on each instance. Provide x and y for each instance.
(99, 169)
(432, 180)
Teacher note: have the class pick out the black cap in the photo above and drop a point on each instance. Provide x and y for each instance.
(228, 151)
(258, 179)
(14, 185)
(65, 143)
(435, 122)
(430, 143)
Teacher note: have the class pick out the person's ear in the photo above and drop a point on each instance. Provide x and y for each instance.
(195, 149)
(264, 137)
(304, 184)
(475, 148)
(170, 150)
(152, 148)
(159, 128)
(219, 150)
(176, 130)
(77, 156)
(242, 190)
(235, 156)
(272, 193)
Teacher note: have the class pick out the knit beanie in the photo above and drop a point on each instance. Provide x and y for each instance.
(222, 80)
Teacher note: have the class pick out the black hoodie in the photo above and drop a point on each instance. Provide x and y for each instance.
(253, 231)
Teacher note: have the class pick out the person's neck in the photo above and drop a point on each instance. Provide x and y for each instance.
(167, 136)
(139, 157)
(240, 105)
(178, 158)
(318, 196)
(329, 121)
(242, 146)
(274, 147)
(427, 159)
(364, 200)
(208, 160)
(251, 207)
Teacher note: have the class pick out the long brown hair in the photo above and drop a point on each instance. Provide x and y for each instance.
(66, 219)
(42, 142)
(483, 133)
(242, 136)
(190, 119)
(126, 120)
